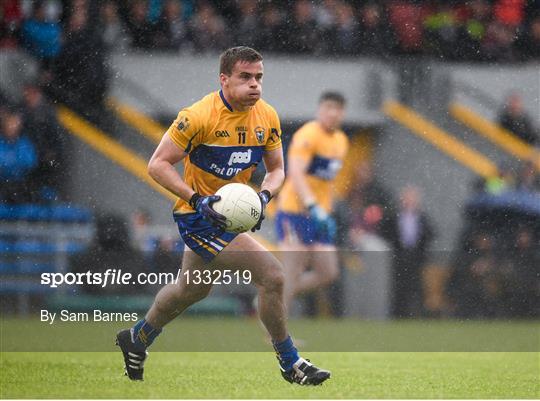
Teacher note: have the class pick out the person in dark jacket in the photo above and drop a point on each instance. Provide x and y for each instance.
(18, 157)
(41, 36)
(41, 124)
(409, 232)
(171, 29)
(111, 249)
(81, 75)
(377, 37)
(515, 119)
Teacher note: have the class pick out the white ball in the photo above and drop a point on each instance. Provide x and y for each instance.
(240, 204)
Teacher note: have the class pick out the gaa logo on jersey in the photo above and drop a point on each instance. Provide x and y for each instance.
(259, 133)
(222, 134)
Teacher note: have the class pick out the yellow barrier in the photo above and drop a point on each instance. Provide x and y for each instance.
(109, 148)
(446, 143)
(496, 134)
(141, 122)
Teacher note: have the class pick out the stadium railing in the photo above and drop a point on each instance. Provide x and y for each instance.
(35, 239)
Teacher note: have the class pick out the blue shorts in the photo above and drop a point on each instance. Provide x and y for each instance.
(301, 228)
(203, 238)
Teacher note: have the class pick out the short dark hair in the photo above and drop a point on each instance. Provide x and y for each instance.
(229, 57)
(333, 96)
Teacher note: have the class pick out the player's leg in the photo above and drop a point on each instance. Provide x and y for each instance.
(294, 257)
(324, 268)
(267, 274)
(246, 253)
(293, 235)
(170, 301)
(174, 298)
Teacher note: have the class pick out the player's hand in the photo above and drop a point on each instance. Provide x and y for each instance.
(203, 205)
(265, 197)
(323, 221)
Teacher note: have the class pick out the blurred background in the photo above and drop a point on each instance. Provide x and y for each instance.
(443, 117)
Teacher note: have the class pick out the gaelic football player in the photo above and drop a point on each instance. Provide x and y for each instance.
(220, 140)
(304, 220)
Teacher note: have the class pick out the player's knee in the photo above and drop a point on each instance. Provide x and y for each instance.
(194, 293)
(275, 279)
(330, 275)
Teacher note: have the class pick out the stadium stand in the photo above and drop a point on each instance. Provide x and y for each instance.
(35, 239)
(482, 30)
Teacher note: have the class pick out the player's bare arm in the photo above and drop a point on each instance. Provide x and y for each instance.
(297, 172)
(275, 171)
(161, 168)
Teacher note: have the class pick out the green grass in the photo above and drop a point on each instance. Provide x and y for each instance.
(196, 374)
(255, 375)
(237, 334)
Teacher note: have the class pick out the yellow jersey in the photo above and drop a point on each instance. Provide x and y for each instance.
(324, 152)
(223, 145)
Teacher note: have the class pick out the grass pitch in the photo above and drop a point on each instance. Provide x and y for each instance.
(256, 375)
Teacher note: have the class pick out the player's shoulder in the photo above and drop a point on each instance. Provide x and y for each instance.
(204, 110)
(309, 129)
(342, 136)
(203, 107)
(262, 106)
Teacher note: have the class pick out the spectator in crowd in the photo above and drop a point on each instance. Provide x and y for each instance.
(111, 249)
(81, 77)
(18, 158)
(141, 30)
(166, 257)
(142, 237)
(522, 287)
(358, 222)
(370, 202)
(42, 126)
(473, 31)
(514, 118)
(171, 30)
(10, 22)
(528, 178)
(113, 31)
(271, 34)
(409, 232)
(503, 181)
(376, 36)
(495, 270)
(208, 29)
(441, 31)
(473, 285)
(325, 14)
(406, 18)
(498, 45)
(345, 33)
(155, 10)
(509, 12)
(303, 33)
(41, 34)
(529, 42)
(247, 23)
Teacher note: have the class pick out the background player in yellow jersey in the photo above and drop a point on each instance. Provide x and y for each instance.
(221, 139)
(304, 221)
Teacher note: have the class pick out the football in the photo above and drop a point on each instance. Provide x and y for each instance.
(240, 204)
